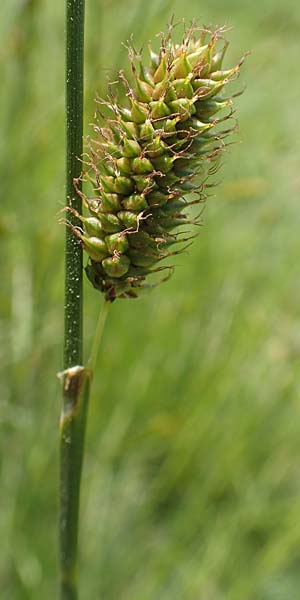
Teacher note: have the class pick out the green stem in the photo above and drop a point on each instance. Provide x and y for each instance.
(75, 378)
(76, 385)
(97, 337)
(74, 131)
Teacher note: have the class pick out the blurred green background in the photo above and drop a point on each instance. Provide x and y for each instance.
(191, 484)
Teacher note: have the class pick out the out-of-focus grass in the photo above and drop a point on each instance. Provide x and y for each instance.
(191, 480)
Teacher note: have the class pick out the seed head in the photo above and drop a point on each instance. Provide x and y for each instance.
(150, 151)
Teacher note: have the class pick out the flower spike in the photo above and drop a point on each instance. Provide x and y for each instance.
(158, 145)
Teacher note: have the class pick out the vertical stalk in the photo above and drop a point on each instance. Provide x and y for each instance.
(75, 378)
(74, 132)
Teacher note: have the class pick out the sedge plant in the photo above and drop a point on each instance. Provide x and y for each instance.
(150, 161)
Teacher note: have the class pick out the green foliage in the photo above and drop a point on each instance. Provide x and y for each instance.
(190, 486)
